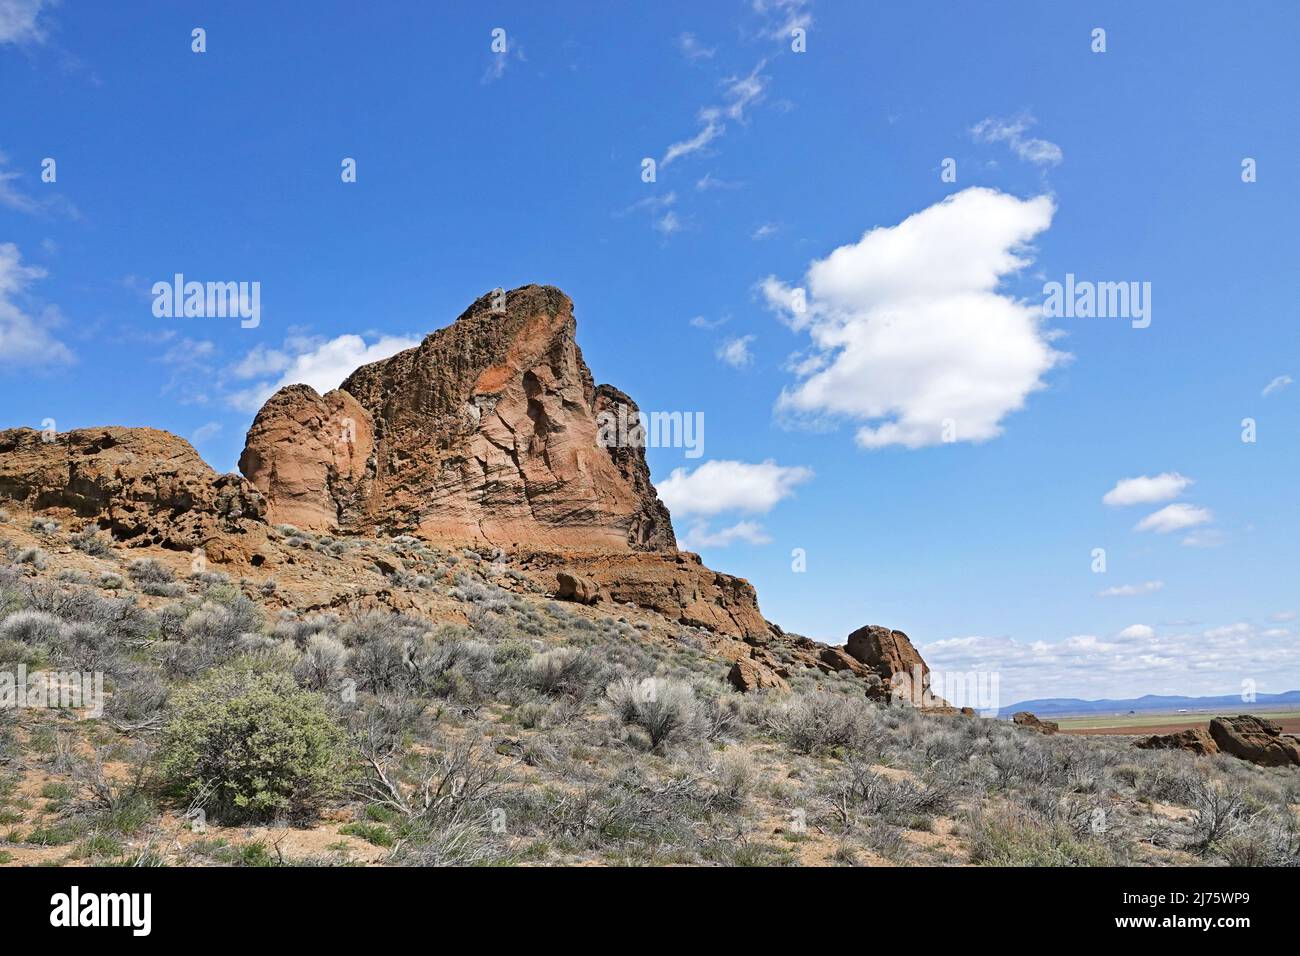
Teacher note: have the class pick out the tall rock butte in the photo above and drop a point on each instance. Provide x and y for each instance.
(486, 432)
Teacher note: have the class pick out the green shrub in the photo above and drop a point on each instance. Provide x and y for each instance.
(253, 746)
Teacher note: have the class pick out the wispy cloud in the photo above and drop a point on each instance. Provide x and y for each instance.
(691, 48)
(15, 198)
(1279, 383)
(1174, 517)
(702, 536)
(766, 231)
(735, 351)
(21, 21)
(1132, 590)
(1040, 152)
(25, 339)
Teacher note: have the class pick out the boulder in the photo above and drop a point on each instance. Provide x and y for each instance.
(747, 674)
(1196, 740)
(1027, 720)
(312, 458)
(574, 588)
(1255, 739)
(887, 652)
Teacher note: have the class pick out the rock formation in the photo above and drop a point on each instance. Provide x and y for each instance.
(1029, 721)
(490, 434)
(1195, 740)
(485, 433)
(1255, 739)
(147, 487)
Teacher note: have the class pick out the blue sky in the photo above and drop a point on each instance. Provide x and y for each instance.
(477, 170)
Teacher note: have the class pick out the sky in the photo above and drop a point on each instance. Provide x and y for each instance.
(831, 229)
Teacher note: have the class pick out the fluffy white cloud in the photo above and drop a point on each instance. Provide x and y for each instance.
(718, 486)
(1133, 662)
(1040, 152)
(701, 536)
(1137, 631)
(1131, 590)
(1174, 517)
(24, 336)
(914, 337)
(323, 366)
(1279, 383)
(19, 21)
(735, 351)
(1145, 489)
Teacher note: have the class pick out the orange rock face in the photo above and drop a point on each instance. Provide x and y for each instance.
(146, 486)
(485, 433)
(311, 456)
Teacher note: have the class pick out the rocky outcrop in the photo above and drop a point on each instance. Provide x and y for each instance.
(677, 586)
(887, 652)
(575, 588)
(1029, 721)
(890, 655)
(748, 674)
(144, 486)
(1255, 739)
(1195, 740)
(485, 433)
(312, 458)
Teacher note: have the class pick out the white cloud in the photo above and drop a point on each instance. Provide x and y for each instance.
(20, 21)
(205, 432)
(1131, 663)
(1131, 590)
(1040, 152)
(1141, 632)
(700, 536)
(1145, 489)
(691, 48)
(718, 486)
(323, 367)
(1174, 517)
(14, 198)
(911, 328)
(1279, 383)
(766, 231)
(1282, 617)
(24, 335)
(709, 131)
(1205, 538)
(668, 223)
(700, 322)
(708, 181)
(498, 62)
(782, 16)
(735, 351)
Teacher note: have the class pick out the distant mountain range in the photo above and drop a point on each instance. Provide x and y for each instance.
(1151, 703)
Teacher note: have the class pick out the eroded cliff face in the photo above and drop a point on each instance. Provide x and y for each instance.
(147, 487)
(485, 433)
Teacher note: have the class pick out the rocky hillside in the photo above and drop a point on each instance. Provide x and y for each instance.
(440, 622)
